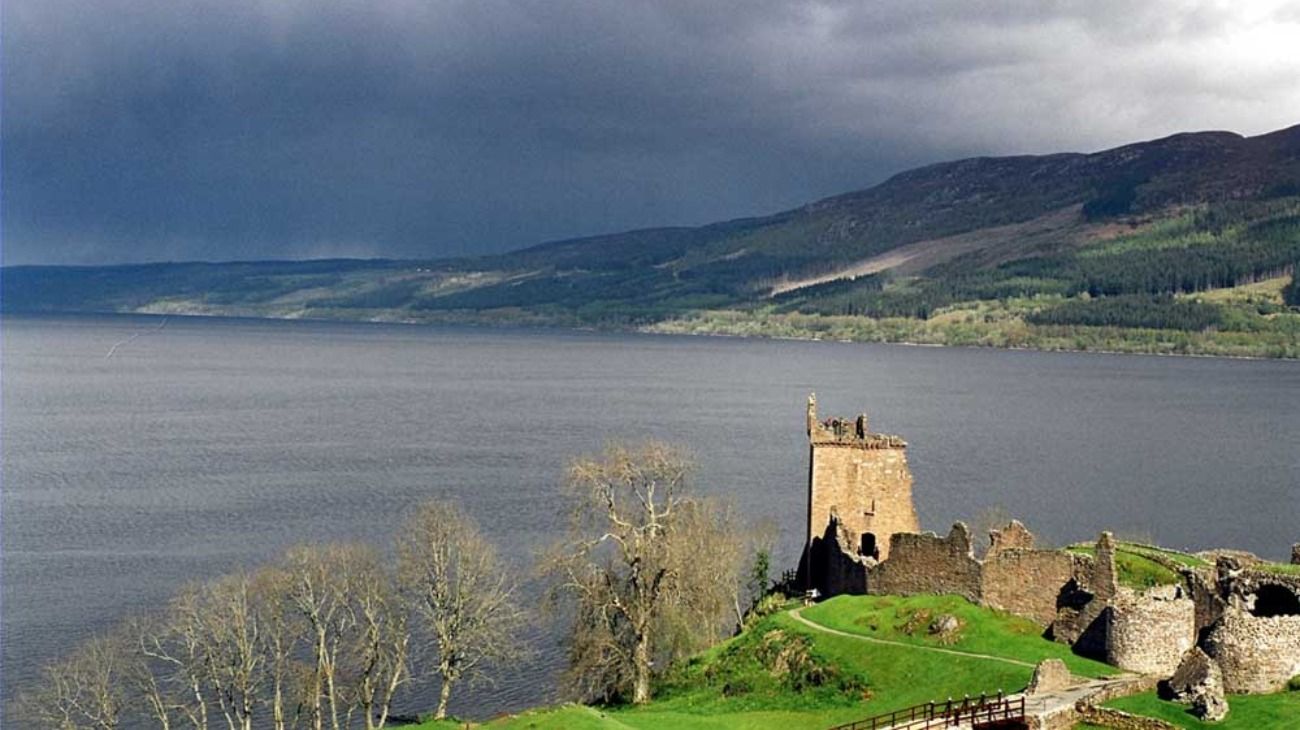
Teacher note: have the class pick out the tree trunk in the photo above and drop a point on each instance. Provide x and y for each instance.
(319, 683)
(444, 694)
(277, 706)
(641, 669)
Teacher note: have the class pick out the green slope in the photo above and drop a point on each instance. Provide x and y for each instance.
(784, 674)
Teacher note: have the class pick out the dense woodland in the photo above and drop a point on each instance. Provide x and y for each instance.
(1128, 282)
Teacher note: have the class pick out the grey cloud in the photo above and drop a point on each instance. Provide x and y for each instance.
(151, 129)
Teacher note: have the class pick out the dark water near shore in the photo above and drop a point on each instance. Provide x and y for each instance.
(201, 445)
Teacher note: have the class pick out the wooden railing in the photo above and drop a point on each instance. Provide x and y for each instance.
(950, 713)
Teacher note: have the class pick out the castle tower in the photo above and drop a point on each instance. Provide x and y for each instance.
(860, 477)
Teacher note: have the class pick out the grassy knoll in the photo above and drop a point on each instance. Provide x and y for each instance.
(783, 674)
(1280, 568)
(1248, 712)
(982, 631)
(1136, 569)
(1181, 558)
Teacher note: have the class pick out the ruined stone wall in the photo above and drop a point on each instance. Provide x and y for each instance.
(1150, 631)
(1120, 720)
(1027, 582)
(832, 564)
(1015, 536)
(1204, 594)
(927, 563)
(1255, 653)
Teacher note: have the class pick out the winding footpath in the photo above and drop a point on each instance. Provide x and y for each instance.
(1045, 707)
(797, 615)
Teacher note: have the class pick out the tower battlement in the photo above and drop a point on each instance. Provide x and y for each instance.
(847, 432)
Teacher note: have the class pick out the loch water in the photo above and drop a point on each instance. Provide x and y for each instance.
(143, 452)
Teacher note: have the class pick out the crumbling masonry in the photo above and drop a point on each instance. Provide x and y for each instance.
(863, 537)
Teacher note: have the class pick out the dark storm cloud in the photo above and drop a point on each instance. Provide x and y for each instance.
(155, 129)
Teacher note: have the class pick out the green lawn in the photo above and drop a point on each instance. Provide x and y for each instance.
(782, 674)
(1248, 712)
(1182, 558)
(1281, 568)
(983, 631)
(1135, 569)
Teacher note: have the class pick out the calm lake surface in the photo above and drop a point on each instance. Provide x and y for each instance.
(139, 453)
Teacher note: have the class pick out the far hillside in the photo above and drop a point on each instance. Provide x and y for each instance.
(1186, 244)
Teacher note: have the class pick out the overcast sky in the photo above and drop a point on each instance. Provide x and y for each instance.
(139, 130)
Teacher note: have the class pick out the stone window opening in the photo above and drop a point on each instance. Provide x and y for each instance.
(868, 547)
(1272, 600)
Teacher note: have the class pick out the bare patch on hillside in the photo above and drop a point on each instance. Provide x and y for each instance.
(1058, 229)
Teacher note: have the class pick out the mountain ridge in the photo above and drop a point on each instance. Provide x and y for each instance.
(1170, 217)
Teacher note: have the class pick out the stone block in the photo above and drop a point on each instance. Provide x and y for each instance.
(1051, 675)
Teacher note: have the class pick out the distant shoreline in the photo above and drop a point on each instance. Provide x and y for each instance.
(750, 328)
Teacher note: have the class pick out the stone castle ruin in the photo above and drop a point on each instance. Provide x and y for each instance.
(860, 479)
(1230, 625)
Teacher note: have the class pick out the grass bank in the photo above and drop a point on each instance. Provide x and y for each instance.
(1000, 324)
(1247, 712)
(783, 674)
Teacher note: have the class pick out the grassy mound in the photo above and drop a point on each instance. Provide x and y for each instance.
(783, 674)
(980, 630)
(1248, 712)
(1136, 568)
(1279, 568)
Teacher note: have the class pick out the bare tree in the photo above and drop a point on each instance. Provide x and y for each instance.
(173, 651)
(282, 635)
(82, 690)
(318, 592)
(707, 562)
(230, 630)
(146, 678)
(375, 650)
(465, 596)
(356, 630)
(651, 572)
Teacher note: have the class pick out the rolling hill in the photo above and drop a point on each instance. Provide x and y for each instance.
(1129, 248)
